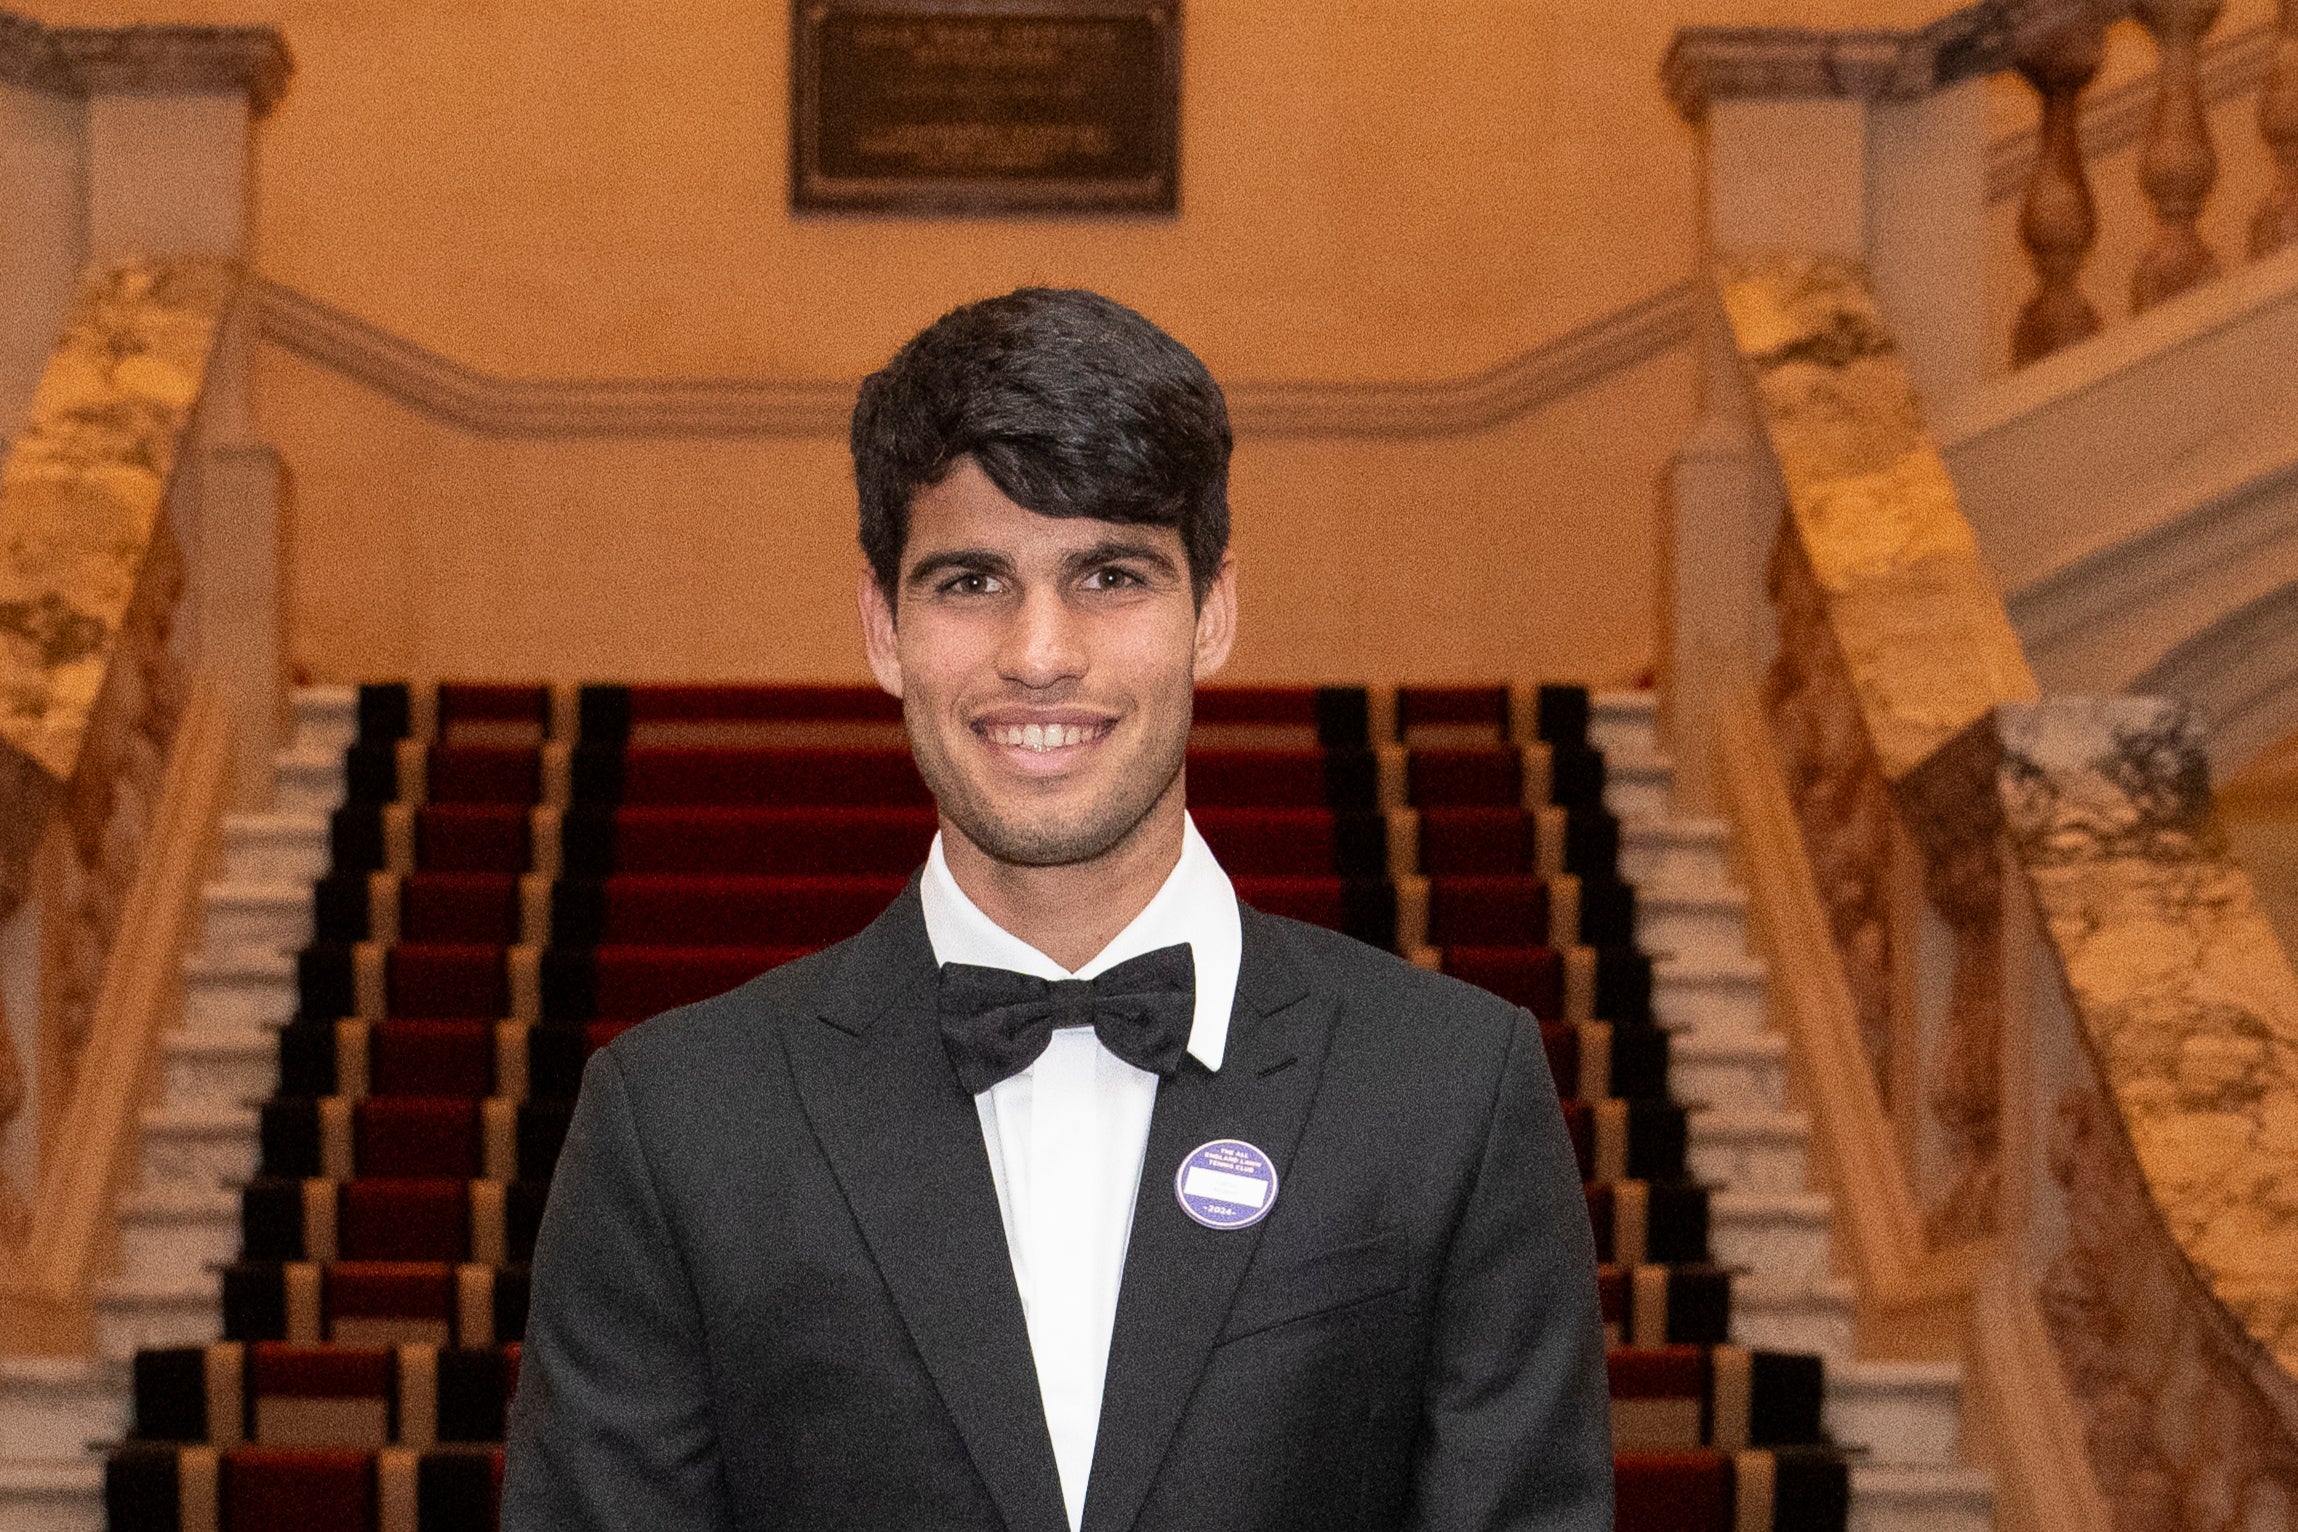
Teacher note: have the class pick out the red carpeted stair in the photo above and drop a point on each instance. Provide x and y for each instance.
(519, 876)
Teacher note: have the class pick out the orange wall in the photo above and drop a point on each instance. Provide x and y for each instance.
(1523, 552)
(1372, 190)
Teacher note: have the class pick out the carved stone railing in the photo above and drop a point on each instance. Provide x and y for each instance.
(2167, 1236)
(1893, 653)
(2041, 1023)
(92, 679)
(139, 550)
(2059, 992)
(2057, 47)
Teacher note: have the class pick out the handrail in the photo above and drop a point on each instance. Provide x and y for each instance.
(1897, 1270)
(88, 531)
(1893, 653)
(2182, 994)
(44, 1289)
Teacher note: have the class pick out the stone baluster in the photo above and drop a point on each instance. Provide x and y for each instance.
(2277, 222)
(2059, 222)
(2178, 166)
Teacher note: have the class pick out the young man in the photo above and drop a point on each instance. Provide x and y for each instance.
(1072, 1195)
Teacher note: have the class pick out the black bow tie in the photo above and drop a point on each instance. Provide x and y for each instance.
(996, 1022)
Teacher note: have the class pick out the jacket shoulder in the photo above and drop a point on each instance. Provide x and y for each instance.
(1379, 980)
(709, 1034)
(1419, 1050)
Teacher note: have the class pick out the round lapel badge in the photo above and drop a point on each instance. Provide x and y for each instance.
(1226, 1184)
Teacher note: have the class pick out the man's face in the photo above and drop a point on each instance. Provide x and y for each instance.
(1045, 666)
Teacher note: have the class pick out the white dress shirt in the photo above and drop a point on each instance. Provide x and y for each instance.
(1066, 1135)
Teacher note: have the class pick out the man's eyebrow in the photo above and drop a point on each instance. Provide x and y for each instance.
(943, 561)
(1113, 550)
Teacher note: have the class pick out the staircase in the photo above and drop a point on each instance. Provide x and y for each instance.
(204, 1137)
(1746, 1139)
(181, 1223)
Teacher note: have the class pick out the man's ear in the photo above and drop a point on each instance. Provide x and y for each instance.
(1217, 619)
(878, 632)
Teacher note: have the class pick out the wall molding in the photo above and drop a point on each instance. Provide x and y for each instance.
(767, 409)
(491, 404)
(2240, 675)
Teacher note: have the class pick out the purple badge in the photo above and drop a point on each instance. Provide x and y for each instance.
(1227, 1184)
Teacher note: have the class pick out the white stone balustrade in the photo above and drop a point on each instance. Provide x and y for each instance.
(139, 537)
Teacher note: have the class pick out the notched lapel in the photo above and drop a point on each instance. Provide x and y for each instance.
(904, 1141)
(1180, 1277)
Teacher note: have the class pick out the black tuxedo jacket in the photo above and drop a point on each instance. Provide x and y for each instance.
(772, 1291)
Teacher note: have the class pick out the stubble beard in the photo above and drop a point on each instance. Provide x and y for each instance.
(1052, 838)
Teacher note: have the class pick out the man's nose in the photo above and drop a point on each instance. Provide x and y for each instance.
(1045, 645)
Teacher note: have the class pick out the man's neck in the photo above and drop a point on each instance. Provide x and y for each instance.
(1070, 913)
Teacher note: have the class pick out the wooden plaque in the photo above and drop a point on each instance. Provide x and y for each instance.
(985, 106)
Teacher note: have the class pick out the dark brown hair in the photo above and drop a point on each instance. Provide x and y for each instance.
(1072, 404)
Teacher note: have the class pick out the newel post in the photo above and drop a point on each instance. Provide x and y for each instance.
(1926, 236)
(1815, 144)
(171, 170)
(1775, 174)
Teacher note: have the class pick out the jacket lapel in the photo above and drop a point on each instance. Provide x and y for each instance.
(1180, 1276)
(905, 1144)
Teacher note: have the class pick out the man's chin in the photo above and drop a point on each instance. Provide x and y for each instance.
(1048, 840)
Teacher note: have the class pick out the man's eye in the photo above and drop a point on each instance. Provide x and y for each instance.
(1113, 579)
(970, 585)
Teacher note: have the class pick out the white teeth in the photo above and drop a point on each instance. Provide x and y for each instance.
(1035, 736)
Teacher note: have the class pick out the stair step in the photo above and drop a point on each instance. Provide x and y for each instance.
(1729, 1074)
(53, 1407)
(307, 782)
(1677, 854)
(216, 1069)
(1626, 720)
(1782, 1236)
(1900, 1412)
(189, 1153)
(1712, 999)
(326, 720)
(52, 1495)
(1687, 925)
(1821, 1318)
(1899, 1497)
(167, 1236)
(254, 917)
(133, 1315)
(1750, 1151)
(238, 992)
(275, 848)
(1639, 785)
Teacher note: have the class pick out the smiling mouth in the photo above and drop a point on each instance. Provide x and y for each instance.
(1042, 737)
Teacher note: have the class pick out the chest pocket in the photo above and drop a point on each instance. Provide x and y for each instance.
(1318, 1284)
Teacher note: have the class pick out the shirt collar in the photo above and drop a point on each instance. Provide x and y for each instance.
(1196, 905)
